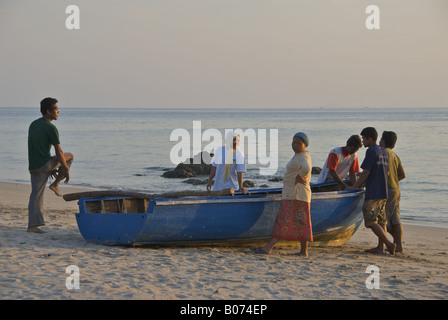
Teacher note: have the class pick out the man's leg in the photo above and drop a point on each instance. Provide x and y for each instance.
(397, 233)
(393, 218)
(375, 219)
(380, 247)
(36, 202)
(268, 247)
(378, 230)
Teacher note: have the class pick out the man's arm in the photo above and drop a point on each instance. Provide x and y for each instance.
(240, 182)
(400, 173)
(61, 159)
(361, 179)
(352, 178)
(338, 179)
(210, 178)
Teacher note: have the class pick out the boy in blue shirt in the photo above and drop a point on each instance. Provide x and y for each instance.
(375, 173)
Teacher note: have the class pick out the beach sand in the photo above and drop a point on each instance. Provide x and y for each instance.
(33, 266)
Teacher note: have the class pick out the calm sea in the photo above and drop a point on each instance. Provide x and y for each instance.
(130, 148)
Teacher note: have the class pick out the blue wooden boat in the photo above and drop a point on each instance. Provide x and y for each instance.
(135, 219)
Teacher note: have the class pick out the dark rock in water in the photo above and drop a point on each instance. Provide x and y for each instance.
(191, 167)
(276, 179)
(264, 186)
(179, 172)
(316, 170)
(196, 182)
(248, 184)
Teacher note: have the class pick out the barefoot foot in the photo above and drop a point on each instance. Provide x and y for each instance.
(55, 189)
(299, 254)
(375, 250)
(392, 248)
(35, 230)
(260, 251)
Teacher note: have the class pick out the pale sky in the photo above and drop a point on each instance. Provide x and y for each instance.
(224, 54)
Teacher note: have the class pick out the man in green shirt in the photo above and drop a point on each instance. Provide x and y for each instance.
(396, 173)
(42, 134)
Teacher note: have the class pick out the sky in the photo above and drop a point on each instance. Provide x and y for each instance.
(224, 54)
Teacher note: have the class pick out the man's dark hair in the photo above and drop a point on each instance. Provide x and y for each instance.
(370, 132)
(354, 141)
(47, 104)
(389, 138)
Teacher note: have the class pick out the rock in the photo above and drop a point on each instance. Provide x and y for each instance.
(264, 186)
(190, 169)
(196, 182)
(276, 179)
(316, 170)
(248, 184)
(179, 172)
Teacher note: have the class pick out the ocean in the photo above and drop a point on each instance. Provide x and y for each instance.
(131, 148)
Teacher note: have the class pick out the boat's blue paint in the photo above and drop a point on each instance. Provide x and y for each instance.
(110, 228)
(214, 219)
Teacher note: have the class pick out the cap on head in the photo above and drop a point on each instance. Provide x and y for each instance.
(304, 137)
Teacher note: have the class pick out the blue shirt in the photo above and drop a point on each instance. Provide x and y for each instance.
(376, 162)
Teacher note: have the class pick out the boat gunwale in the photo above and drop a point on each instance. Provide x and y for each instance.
(251, 198)
(245, 198)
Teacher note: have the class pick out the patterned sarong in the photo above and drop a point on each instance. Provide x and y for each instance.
(293, 221)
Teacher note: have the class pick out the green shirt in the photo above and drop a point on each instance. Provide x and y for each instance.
(394, 164)
(42, 134)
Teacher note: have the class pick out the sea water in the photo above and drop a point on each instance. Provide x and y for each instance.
(130, 148)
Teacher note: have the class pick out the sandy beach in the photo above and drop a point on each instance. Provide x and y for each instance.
(33, 266)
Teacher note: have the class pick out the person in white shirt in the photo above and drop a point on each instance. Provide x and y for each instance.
(228, 166)
(340, 162)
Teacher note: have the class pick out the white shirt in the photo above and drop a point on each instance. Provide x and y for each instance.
(219, 161)
(343, 168)
(301, 165)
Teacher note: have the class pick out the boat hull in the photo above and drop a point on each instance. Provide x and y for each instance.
(237, 219)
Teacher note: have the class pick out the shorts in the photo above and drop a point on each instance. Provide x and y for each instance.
(393, 207)
(374, 211)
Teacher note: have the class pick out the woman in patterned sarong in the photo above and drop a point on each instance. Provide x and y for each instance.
(293, 222)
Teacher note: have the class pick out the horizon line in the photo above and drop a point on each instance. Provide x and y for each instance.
(241, 108)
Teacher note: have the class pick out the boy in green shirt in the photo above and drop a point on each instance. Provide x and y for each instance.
(396, 173)
(42, 134)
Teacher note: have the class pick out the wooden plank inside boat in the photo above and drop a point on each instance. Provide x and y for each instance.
(147, 196)
(136, 205)
(119, 205)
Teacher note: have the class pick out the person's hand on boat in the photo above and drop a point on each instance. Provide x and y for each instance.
(243, 190)
(209, 184)
(344, 186)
